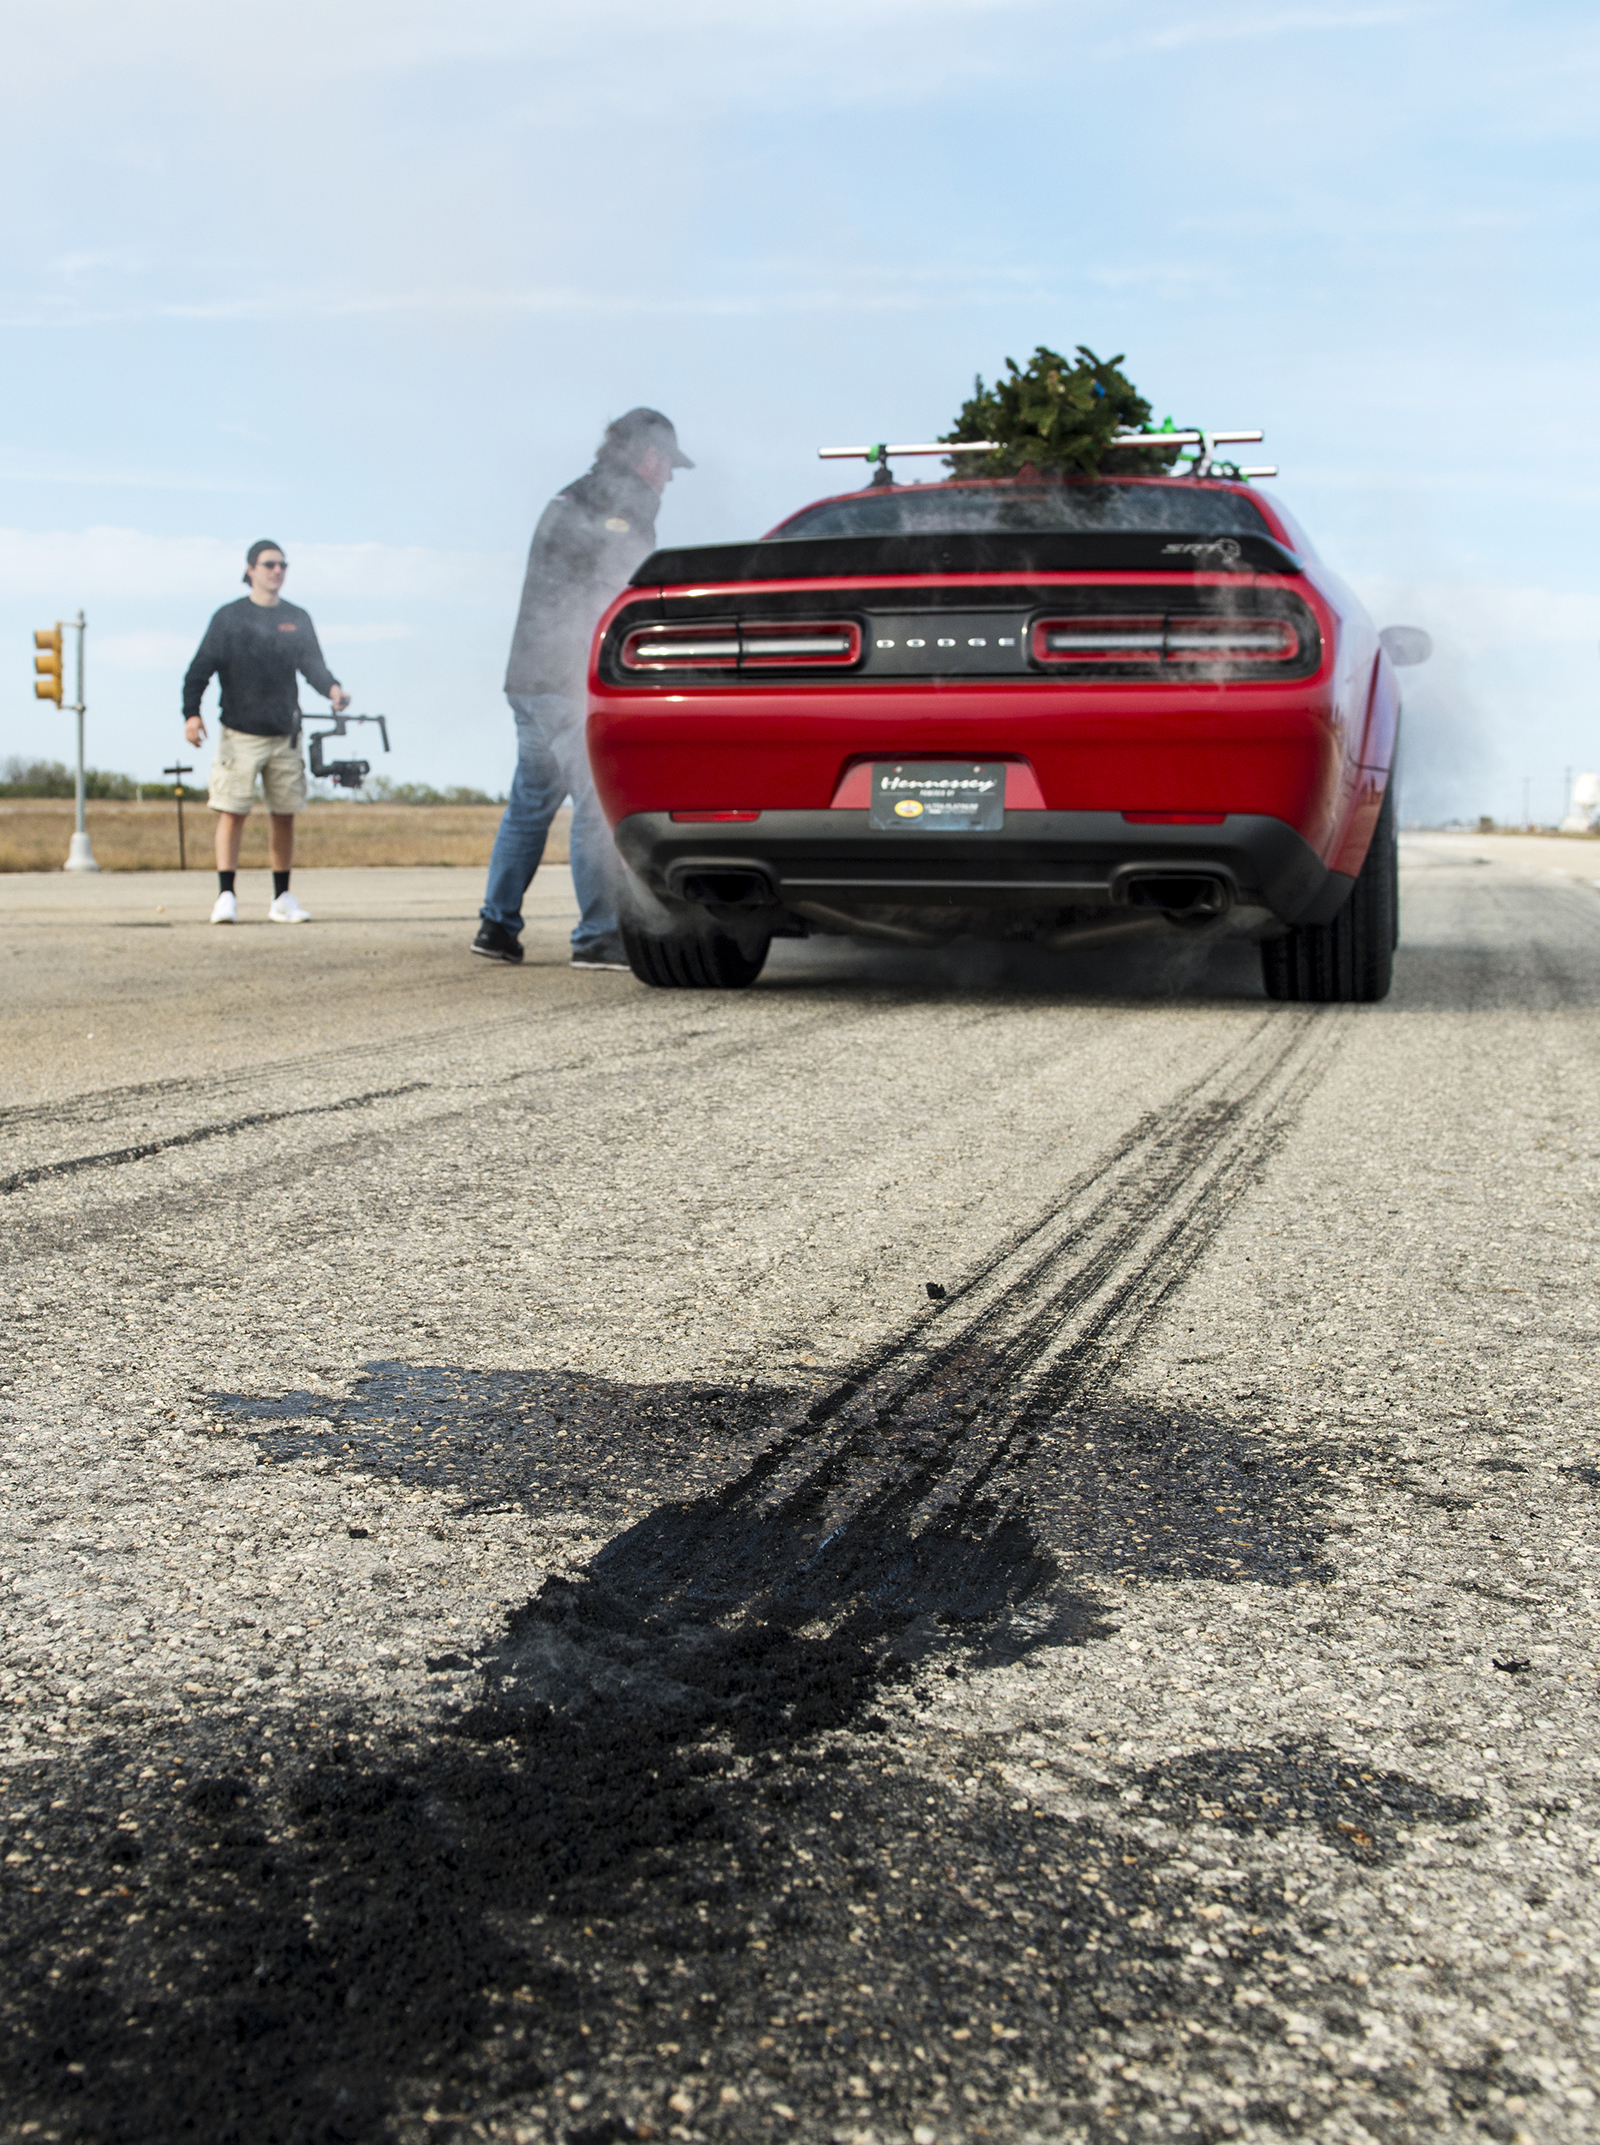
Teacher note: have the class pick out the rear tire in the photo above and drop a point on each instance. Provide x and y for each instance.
(1351, 960)
(697, 957)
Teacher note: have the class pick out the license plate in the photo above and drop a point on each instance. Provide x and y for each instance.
(939, 796)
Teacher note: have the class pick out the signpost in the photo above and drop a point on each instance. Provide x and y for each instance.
(178, 770)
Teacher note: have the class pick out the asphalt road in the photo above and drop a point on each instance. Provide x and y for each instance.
(526, 1617)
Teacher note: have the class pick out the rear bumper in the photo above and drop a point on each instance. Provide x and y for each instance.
(1037, 860)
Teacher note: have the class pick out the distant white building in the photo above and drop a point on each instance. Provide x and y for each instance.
(1583, 814)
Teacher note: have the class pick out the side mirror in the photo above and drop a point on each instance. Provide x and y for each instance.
(1406, 644)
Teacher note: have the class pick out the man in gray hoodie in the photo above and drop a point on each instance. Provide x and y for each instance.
(589, 541)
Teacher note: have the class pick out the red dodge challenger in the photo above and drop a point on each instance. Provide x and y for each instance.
(1051, 710)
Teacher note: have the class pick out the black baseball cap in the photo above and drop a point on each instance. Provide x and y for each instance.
(255, 551)
(646, 428)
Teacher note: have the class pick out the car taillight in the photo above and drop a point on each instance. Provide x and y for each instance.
(1231, 640)
(709, 647)
(1098, 640)
(828, 642)
(748, 644)
(1164, 643)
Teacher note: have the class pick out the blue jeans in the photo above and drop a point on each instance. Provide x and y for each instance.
(553, 764)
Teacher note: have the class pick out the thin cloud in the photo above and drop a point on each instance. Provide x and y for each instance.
(568, 301)
(1355, 228)
(72, 566)
(22, 469)
(1555, 487)
(1176, 277)
(1233, 29)
(355, 39)
(142, 651)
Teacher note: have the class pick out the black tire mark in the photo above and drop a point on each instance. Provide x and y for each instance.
(906, 1490)
(878, 1362)
(1186, 1164)
(114, 1157)
(102, 1103)
(605, 1058)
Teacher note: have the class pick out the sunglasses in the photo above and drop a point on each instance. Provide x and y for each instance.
(274, 565)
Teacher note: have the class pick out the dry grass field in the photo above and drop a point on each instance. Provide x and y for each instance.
(144, 837)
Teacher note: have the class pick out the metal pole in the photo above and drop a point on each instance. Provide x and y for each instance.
(178, 770)
(80, 856)
(78, 628)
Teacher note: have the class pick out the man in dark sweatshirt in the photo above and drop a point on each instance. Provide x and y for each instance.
(588, 542)
(258, 648)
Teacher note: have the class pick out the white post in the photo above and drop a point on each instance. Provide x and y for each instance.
(80, 857)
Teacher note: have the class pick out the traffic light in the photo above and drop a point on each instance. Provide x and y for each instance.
(48, 685)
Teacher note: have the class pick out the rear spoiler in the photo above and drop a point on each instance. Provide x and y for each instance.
(1017, 554)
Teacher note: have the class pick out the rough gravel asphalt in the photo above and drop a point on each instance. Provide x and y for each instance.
(942, 1550)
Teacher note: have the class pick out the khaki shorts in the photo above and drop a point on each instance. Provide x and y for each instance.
(240, 758)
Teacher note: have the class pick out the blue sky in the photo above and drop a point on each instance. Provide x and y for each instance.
(370, 279)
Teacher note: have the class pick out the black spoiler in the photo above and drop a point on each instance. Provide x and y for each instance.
(1020, 553)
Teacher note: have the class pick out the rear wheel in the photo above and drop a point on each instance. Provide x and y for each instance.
(693, 957)
(1351, 960)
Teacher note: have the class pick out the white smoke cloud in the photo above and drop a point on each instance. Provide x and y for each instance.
(1512, 692)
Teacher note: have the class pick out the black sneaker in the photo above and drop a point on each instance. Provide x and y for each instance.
(496, 943)
(604, 953)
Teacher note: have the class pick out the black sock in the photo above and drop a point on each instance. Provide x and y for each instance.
(280, 883)
(225, 881)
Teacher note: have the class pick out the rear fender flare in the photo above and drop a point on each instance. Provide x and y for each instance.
(1379, 737)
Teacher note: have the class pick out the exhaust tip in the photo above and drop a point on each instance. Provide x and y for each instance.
(1180, 896)
(725, 888)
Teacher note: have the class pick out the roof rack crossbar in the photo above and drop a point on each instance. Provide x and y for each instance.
(1205, 445)
(1181, 439)
(939, 446)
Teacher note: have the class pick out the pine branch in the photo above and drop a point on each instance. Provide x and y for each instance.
(1056, 416)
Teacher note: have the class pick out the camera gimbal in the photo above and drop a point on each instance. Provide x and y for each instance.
(345, 774)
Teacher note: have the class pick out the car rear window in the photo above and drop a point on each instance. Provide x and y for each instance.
(994, 509)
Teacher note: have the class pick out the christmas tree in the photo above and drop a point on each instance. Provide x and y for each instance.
(1057, 416)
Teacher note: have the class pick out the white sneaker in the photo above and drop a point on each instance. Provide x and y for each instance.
(225, 909)
(286, 910)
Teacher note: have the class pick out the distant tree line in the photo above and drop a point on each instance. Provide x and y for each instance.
(383, 791)
(52, 778)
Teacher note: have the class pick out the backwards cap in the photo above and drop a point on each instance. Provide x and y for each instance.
(254, 553)
(641, 428)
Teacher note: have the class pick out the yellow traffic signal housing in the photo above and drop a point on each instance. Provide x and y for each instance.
(48, 685)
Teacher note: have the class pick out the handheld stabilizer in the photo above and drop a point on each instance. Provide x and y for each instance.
(344, 774)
